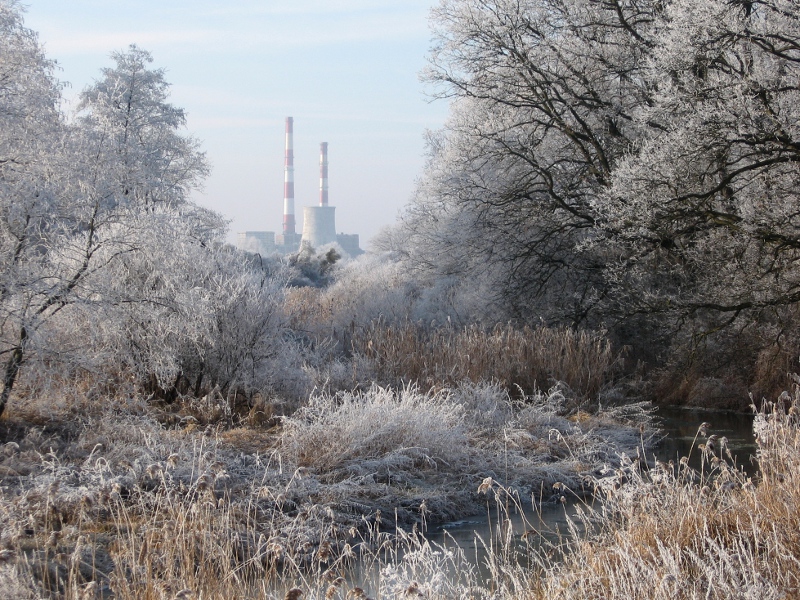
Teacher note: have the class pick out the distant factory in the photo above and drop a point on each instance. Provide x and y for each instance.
(319, 222)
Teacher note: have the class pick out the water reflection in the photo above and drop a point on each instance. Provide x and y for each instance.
(681, 424)
(543, 530)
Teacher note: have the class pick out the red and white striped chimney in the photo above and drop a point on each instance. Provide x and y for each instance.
(323, 174)
(288, 180)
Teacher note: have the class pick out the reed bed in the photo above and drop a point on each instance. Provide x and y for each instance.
(526, 359)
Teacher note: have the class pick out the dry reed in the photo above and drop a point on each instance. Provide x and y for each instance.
(115, 502)
(671, 531)
(528, 359)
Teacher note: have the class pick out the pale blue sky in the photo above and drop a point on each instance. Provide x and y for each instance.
(346, 70)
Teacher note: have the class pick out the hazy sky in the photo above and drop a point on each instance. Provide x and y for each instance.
(346, 70)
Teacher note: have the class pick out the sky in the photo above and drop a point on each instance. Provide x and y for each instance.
(346, 70)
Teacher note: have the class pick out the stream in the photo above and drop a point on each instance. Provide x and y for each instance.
(680, 427)
(681, 424)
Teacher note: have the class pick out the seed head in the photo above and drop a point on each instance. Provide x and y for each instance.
(203, 482)
(52, 489)
(52, 541)
(329, 576)
(324, 552)
(293, 594)
(485, 485)
(89, 590)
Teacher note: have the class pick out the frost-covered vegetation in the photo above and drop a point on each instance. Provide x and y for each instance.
(107, 497)
(622, 164)
(608, 213)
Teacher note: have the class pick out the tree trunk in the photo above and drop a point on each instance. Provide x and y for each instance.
(12, 369)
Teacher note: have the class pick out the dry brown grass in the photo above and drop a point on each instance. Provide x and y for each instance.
(528, 359)
(115, 501)
(675, 532)
(119, 507)
(397, 351)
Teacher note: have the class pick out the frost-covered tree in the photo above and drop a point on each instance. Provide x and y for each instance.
(544, 96)
(608, 161)
(191, 313)
(706, 211)
(77, 198)
(135, 135)
(34, 190)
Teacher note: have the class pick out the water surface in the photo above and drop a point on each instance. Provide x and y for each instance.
(681, 428)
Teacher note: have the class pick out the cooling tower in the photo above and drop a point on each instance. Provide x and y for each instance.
(319, 222)
(319, 225)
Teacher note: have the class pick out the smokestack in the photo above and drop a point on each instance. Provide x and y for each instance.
(323, 174)
(288, 180)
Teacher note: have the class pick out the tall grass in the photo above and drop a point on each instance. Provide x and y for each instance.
(526, 358)
(402, 428)
(106, 500)
(154, 514)
(672, 531)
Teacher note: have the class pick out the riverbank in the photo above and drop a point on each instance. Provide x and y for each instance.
(132, 500)
(675, 531)
(125, 499)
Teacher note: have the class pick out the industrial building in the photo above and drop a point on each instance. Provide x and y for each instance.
(319, 222)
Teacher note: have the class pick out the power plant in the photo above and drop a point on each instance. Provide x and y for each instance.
(319, 222)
